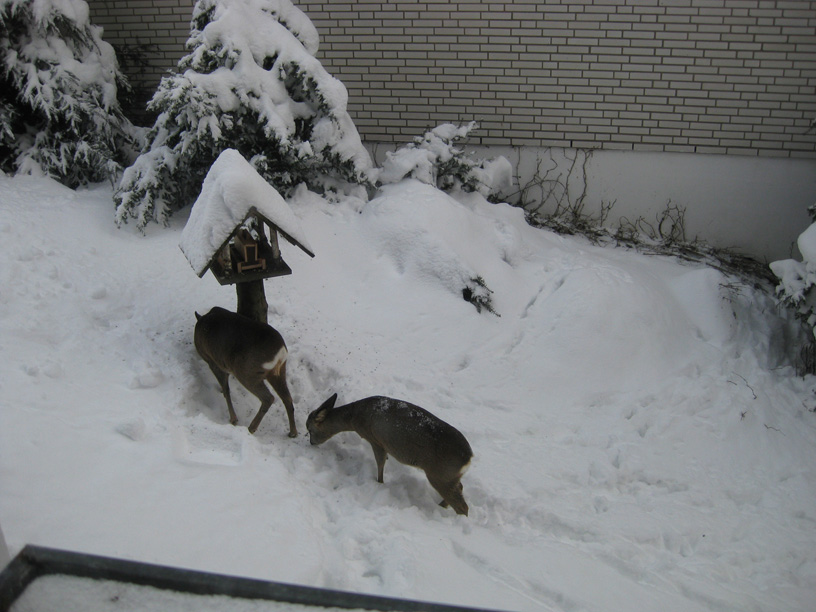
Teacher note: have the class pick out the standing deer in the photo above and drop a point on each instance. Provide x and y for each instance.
(411, 434)
(253, 352)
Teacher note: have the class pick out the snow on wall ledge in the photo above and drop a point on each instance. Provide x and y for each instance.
(231, 189)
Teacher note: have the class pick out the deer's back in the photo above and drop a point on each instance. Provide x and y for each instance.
(412, 435)
(229, 339)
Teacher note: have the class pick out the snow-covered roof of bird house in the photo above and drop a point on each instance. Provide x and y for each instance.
(225, 232)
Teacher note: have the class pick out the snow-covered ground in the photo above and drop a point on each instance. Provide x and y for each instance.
(640, 442)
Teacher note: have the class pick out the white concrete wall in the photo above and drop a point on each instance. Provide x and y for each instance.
(757, 206)
(754, 205)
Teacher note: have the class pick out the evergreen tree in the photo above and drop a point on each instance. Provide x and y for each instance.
(249, 82)
(59, 112)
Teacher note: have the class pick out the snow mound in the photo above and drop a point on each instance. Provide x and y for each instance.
(427, 234)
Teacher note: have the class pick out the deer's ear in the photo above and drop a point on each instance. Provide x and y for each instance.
(321, 412)
(198, 317)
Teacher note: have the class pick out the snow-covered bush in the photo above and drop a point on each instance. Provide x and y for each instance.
(479, 294)
(436, 159)
(59, 113)
(249, 82)
(798, 278)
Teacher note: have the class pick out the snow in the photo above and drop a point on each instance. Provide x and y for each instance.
(231, 189)
(239, 17)
(797, 278)
(807, 243)
(794, 277)
(56, 593)
(639, 441)
(46, 10)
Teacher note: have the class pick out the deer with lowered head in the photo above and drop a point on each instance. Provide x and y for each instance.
(253, 352)
(410, 434)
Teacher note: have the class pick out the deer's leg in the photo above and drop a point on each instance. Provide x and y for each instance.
(259, 390)
(458, 501)
(379, 456)
(223, 379)
(451, 493)
(277, 378)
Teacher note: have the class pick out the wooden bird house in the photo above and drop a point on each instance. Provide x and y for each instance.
(251, 252)
(233, 231)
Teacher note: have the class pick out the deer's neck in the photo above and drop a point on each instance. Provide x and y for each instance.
(343, 418)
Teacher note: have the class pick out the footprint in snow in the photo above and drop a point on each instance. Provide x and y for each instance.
(147, 376)
(206, 446)
(135, 430)
(29, 254)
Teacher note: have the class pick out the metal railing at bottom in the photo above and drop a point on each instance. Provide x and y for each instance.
(34, 562)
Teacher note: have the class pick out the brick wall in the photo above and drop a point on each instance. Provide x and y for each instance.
(706, 76)
(149, 38)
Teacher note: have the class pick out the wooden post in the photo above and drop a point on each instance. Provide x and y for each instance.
(252, 300)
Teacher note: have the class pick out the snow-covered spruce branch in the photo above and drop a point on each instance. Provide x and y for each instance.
(795, 289)
(438, 158)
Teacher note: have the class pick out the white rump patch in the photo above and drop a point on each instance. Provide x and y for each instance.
(465, 468)
(278, 360)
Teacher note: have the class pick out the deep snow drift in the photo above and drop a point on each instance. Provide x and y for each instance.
(640, 442)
